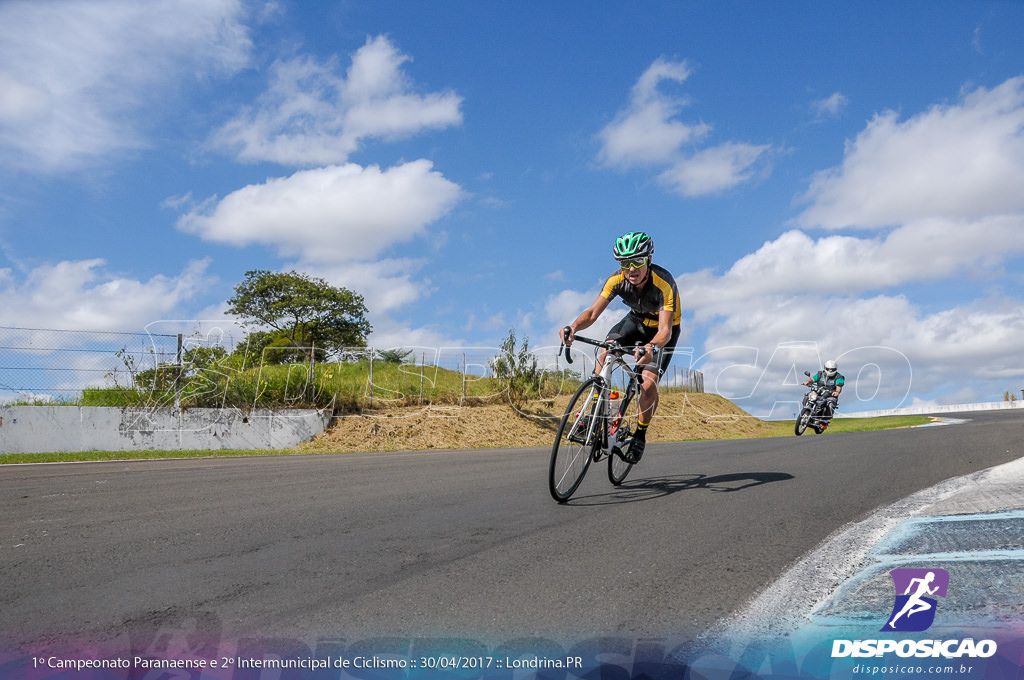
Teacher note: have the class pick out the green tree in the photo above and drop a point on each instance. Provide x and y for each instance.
(272, 347)
(301, 311)
(517, 370)
(394, 356)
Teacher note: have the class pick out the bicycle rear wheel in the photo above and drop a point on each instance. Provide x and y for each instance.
(630, 412)
(577, 436)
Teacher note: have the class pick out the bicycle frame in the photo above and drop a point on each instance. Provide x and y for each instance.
(609, 421)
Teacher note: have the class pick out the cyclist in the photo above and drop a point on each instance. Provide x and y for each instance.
(653, 320)
(829, 376)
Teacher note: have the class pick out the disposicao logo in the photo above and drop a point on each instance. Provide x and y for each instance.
(915, 606)
(914, 611)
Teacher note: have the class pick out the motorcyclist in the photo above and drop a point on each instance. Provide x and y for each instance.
(829, 377)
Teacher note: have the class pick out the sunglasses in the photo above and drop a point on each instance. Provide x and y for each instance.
(635, 263)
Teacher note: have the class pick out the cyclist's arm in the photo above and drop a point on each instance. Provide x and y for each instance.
(661, 337)
(588, 316)
(664, 328)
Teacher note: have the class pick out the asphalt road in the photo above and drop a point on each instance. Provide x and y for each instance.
(464, 544)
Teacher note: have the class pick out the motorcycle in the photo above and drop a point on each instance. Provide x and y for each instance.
(814, 409)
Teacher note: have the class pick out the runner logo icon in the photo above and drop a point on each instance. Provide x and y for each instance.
(916, 589)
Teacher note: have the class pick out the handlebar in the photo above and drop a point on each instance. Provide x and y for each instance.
(612, 346)
(818, 387)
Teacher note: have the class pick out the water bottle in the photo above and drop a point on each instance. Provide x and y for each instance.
(613, 413)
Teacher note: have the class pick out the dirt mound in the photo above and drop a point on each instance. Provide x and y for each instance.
(681, 416)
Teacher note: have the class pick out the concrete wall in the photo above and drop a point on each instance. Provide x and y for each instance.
(40, 429)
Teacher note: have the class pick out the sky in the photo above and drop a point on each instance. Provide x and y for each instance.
(825, 180)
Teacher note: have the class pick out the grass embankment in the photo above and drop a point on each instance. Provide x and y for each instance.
(784, 428)
(682, 416)
(345, 388)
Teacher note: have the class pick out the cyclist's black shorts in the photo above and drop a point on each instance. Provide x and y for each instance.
(631, 330)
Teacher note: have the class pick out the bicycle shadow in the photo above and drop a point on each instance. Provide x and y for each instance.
(640, 489)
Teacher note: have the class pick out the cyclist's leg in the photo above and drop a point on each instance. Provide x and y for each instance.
(649, 397)
(647, 404)
(620, 332)
(649, 393)
(626, 331)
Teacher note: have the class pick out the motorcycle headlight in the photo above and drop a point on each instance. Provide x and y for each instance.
(811, 396)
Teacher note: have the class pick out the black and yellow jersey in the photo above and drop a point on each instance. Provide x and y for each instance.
(657, 293)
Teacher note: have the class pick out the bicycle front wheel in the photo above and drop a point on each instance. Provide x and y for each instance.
(629, 411)
(577, 436)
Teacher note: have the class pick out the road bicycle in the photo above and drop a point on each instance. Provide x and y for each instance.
(599, 422)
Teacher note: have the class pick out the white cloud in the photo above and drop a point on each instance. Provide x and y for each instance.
(648, 133)
(81, 80)
(928, 250)
(385, 284)
(83, 295)
(956, 161)
(312, 115)
(329, 215)
(561, 308)
(831, 106)
(644, 133)
(885, 346)
(713, 170)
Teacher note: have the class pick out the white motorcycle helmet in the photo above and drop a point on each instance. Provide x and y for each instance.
(831, 368)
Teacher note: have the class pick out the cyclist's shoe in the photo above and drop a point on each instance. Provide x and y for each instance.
(635, 451)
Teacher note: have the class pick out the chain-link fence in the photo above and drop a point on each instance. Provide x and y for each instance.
(39, 364)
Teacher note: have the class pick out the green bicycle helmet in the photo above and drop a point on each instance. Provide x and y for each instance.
(632, 245)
